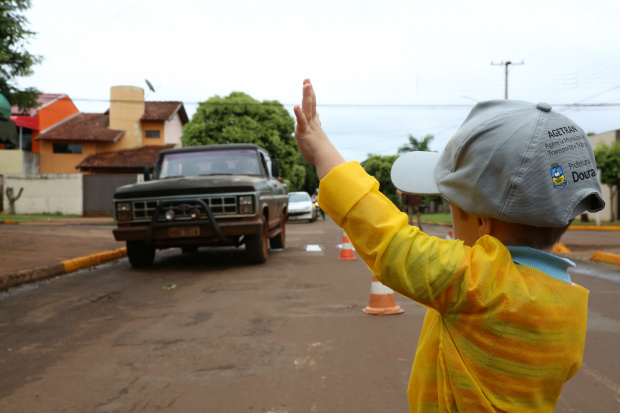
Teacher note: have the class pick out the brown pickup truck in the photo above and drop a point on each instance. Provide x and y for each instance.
(215, 195)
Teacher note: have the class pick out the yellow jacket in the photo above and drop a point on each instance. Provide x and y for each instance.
(497, 336)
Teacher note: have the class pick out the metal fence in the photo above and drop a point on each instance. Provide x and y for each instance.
(98, 191)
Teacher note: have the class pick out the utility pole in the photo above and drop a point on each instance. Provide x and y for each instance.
(506, 78)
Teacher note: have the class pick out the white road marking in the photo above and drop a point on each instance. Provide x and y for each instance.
(611, 385)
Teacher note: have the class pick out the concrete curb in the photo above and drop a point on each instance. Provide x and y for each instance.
(593, 228)
(607, 257)
(571, 228)
(602, 256)
(64, 267)
(48, 223)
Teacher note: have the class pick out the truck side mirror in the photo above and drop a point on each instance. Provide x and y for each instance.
(147, 174)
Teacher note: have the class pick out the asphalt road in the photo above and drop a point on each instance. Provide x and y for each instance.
(204, 332)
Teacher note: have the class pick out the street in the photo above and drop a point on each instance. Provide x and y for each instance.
(204, 332)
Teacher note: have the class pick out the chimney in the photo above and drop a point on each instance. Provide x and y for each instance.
(126, 109)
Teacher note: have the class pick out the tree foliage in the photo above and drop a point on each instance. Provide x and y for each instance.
(608, 162)
(381, 168)
(239, 118)
(421, 145)
(311, 179)
(15, 60)
(417, 145)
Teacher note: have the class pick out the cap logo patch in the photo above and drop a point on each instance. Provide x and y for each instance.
(557, 176)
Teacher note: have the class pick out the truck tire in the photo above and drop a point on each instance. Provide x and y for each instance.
(257, 246)
(279, 241)
(140, 255)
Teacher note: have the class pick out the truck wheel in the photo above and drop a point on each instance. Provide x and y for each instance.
(279, 240)
(140, 255)
(257, 246)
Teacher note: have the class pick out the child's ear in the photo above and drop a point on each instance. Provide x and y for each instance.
(485, 226)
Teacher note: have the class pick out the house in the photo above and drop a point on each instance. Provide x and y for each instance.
(22, 155)
(95, 152)
(129, 123)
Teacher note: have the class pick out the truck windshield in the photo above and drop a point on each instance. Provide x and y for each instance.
(223, 162)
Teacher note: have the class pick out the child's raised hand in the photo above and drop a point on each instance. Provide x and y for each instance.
(314, 144)
(308, 131)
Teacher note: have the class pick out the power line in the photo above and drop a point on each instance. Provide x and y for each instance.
(598, 94)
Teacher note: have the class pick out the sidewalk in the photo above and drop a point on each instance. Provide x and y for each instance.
(63, 221)
(35, 250)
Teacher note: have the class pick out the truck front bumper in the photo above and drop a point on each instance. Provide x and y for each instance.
(166, 233)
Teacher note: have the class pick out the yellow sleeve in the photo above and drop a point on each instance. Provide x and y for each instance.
(402, 257)
(442, 274)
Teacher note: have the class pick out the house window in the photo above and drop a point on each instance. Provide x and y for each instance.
(26, 138)
(152, 134)
(67, 148)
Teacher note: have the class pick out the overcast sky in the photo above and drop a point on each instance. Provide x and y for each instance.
(381, 69)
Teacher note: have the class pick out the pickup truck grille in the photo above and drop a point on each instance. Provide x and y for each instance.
(220, 206)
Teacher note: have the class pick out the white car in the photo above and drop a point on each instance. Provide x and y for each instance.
(300, 207)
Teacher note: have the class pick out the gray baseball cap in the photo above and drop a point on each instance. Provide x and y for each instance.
(511, 160)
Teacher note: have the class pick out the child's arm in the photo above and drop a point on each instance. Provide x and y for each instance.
(314, 144)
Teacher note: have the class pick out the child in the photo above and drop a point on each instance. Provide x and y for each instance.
(505, 326)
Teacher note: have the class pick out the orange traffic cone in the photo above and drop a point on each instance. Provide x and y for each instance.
(346, 253)
(382, 300)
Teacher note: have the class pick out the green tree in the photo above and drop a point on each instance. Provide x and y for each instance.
(417, 145)
(15, 60)
(311, 179)
(239, 118)
(608, 162)
(381, 168)
(424, 146)
(296, 178)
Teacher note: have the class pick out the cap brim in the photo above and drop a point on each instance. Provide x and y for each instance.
(414, 173)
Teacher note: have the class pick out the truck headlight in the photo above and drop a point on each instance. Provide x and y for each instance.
(246, 205)
(123, 211)
(194, 213)
(170, 215)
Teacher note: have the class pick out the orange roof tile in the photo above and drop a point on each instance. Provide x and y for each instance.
(85, 127)
(43, 100)
(140, 157)
(163, 111)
